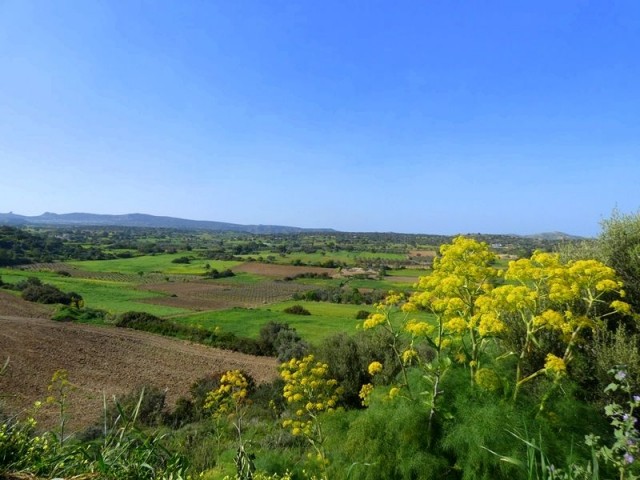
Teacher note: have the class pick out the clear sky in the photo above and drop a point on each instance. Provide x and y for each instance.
(407, 116)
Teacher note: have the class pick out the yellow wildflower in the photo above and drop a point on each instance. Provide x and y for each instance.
(408, 355)
(374, 368)
(419, 329)
(374, 320)
(365, 393)
(554, 364)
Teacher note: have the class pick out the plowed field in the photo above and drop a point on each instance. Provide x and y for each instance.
(101, 359)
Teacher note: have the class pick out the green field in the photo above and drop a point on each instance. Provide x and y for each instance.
(350, 258)
(120, 283)
(325, 319)
(408, 272)
(120, 295)
(114, 297)
(154, 264)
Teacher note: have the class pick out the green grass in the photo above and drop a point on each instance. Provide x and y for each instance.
(325, 320)
(409, 272)
(115, 297)
(154, 263)
(245, 322)
(343, 256)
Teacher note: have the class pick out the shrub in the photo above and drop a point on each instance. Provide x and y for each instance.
(289, 345)
(29, 282)
(151, 411)
(362, 314)
(138, 319)
(45, 293)
(619, 243)
(213, 273)
(181, 260)
(297, 310)
(283, 341)
(612, 349)
(347, 362)
(83, 315)
(387, 441)
(202, 387)
(183, 413)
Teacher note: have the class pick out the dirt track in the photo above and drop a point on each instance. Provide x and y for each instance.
(100, 359)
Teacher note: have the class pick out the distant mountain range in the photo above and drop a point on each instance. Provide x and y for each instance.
(143, 220)
(153, 221)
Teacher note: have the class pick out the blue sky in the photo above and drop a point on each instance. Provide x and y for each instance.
(410, 116)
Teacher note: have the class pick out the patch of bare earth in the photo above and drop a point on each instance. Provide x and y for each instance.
(105, 360)
(213, 295)
(280, 271)
(401, 279)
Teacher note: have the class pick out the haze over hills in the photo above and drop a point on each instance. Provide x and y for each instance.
(144, 220)
(154, 221)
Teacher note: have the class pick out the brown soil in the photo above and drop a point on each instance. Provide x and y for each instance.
(280, 271)
(423, 253)
(104, 359)
(214, 295)
(399, 279)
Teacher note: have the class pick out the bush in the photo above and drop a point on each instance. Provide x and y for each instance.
(45, 294)
(139, 320)
(362, 315)
(83, 315)
(619, 243)
(181, 260)
(297, 310)
(348, 363)
(152, 406)
(289, 345)
(387, 441)
(29, 282)
(283, 341)
(213, 273)
(183, 413)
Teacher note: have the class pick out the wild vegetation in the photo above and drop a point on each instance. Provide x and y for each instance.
(464, 364)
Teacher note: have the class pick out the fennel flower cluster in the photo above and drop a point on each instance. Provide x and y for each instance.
(308, 392)
(230, 395)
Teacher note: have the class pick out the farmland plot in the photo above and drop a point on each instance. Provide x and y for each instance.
(201, 295)
(109, 361)
(76, 272)
(280, 271)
